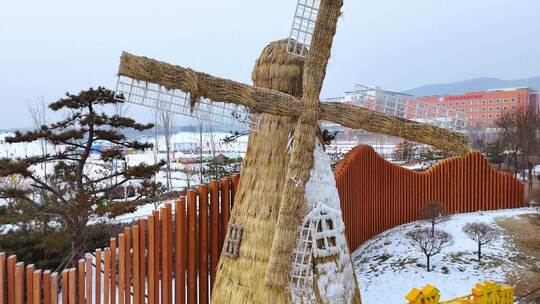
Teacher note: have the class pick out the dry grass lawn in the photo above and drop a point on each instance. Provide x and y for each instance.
(525, 233)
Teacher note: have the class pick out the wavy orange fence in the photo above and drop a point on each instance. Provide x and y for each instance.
(377, 195)
(172, 255)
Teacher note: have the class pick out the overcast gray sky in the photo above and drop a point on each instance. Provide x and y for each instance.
(50, 47)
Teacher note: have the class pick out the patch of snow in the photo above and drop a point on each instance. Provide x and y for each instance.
(334, 272)
(388, 266)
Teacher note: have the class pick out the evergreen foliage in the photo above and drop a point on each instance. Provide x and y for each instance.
(51, 249)
(221, 166)
(82, 180)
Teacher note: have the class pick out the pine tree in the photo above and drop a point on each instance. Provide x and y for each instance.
(82, 179)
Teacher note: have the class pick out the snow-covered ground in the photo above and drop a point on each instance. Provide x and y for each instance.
(189, 142)
(388, 267)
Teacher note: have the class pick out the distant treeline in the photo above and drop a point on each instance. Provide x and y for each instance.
(146, 133)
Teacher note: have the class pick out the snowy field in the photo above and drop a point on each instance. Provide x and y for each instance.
(187, 143)
(388, 267)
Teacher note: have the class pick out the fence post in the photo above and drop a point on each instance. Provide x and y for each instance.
(136, 267)
(19, 283)
(164, 256)
(11, 261)
(98, 277)
(214, 227)
(72, 284)
(89, 279)
(203, 243)
(180, 251)
(80, 285)
(2, 278)
(157, 246)
(127, 271)
(192, 251)
(65, 286)
(29, 283)
(168, 208)
(54, 288)
(121, 268)
(47, 286)
(151, 258)
(106, 277)
(37, 286)
(142, 260)
(112, 281)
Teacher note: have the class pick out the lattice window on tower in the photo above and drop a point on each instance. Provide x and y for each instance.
(303, 27)
(233, 241)
(327, 227)
(301, 275)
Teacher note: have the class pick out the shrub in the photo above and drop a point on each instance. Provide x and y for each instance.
(49, 249)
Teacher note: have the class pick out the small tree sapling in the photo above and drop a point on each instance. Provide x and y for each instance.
(429, 242)
(481, 233)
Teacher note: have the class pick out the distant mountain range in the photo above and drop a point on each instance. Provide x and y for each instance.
(478, 84)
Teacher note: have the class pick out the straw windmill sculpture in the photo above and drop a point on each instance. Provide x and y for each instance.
(286, 242)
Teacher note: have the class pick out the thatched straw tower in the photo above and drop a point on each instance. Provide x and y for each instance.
(259, 195)
(261, 186)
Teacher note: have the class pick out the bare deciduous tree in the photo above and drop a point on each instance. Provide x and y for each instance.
(165, 117)
(519, 135)
(481, 233)
(433, 212)
(429, 242)
(38, 113)
(212, 139)
(154, 192)
(121, 109)
(404, 151)
(188, 174)
(155, 111)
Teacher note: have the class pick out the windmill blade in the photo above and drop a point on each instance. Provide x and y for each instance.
(303, 27)
(172, 77)
(157, 97)
(319, 53)
(153, 83)
(293, 204)
(360, 118)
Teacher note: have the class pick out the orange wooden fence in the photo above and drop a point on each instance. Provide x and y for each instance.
(142, 264)
(172, 255)
(377, 195)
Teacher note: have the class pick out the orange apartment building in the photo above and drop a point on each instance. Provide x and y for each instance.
(484, 108)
